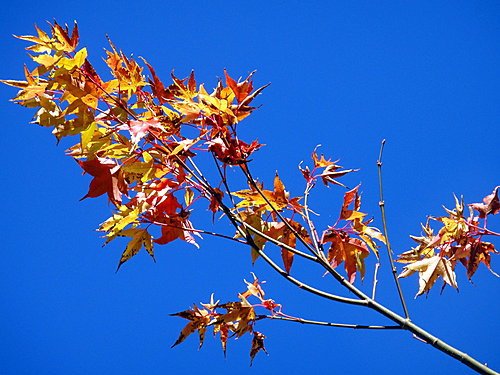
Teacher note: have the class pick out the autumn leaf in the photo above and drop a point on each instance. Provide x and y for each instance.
(232, 151)
(107, 179)
(278, 198)
(126, 70)
(480, 252)
(344, 249)
(351, 197)
(59, 41)
(198, 321)
(215, 199)
(139, 238)
(119, 221)
(490, 205)
(176, 227)
(289, 237)
(331, 171)
(459, 240)
(241, 89)
(257, 345)
(140, 128)
(430, 269)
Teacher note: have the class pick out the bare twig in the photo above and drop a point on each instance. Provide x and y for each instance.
(312, 228)
(381, 204)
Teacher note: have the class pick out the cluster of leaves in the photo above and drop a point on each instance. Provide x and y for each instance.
(346, 248)
(132, 142)
(131, 133)
(231, 319)
(260, 209)
(459, 240)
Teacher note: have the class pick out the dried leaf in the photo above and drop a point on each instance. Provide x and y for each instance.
(490, 205)
(430, 269)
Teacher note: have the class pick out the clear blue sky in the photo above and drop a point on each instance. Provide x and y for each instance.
(424, 75)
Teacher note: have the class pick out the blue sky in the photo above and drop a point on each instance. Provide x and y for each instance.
(424, 75)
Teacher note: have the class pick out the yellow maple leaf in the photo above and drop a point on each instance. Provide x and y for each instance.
(139, 238)
(278, 198)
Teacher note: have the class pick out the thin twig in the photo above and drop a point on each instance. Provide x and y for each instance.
(200, 231)
(328, 324)
(375, 280)
(381, 204)
(312, 228)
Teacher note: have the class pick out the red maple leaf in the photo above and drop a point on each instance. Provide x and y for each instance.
(107, 179)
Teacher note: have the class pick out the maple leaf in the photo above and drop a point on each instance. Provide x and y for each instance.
(453, 229)
(257, 345)
(119, 221)
(490, 205)
(330, 173)
(355, 217)
(140, 128)
(480, 253)
(284, 234)
(425, 248)
(107, 179)
(351, 197)
(232, 151)
(278, 198)
(430, 269)
(126, 70)
(240, 315)
(59, 41)
(215, 200)
(253, 289)
(213, 105)
(139, 238)
(344, 249)
(176, 227)
(241, 89)
(198, 321)
(32, 88)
